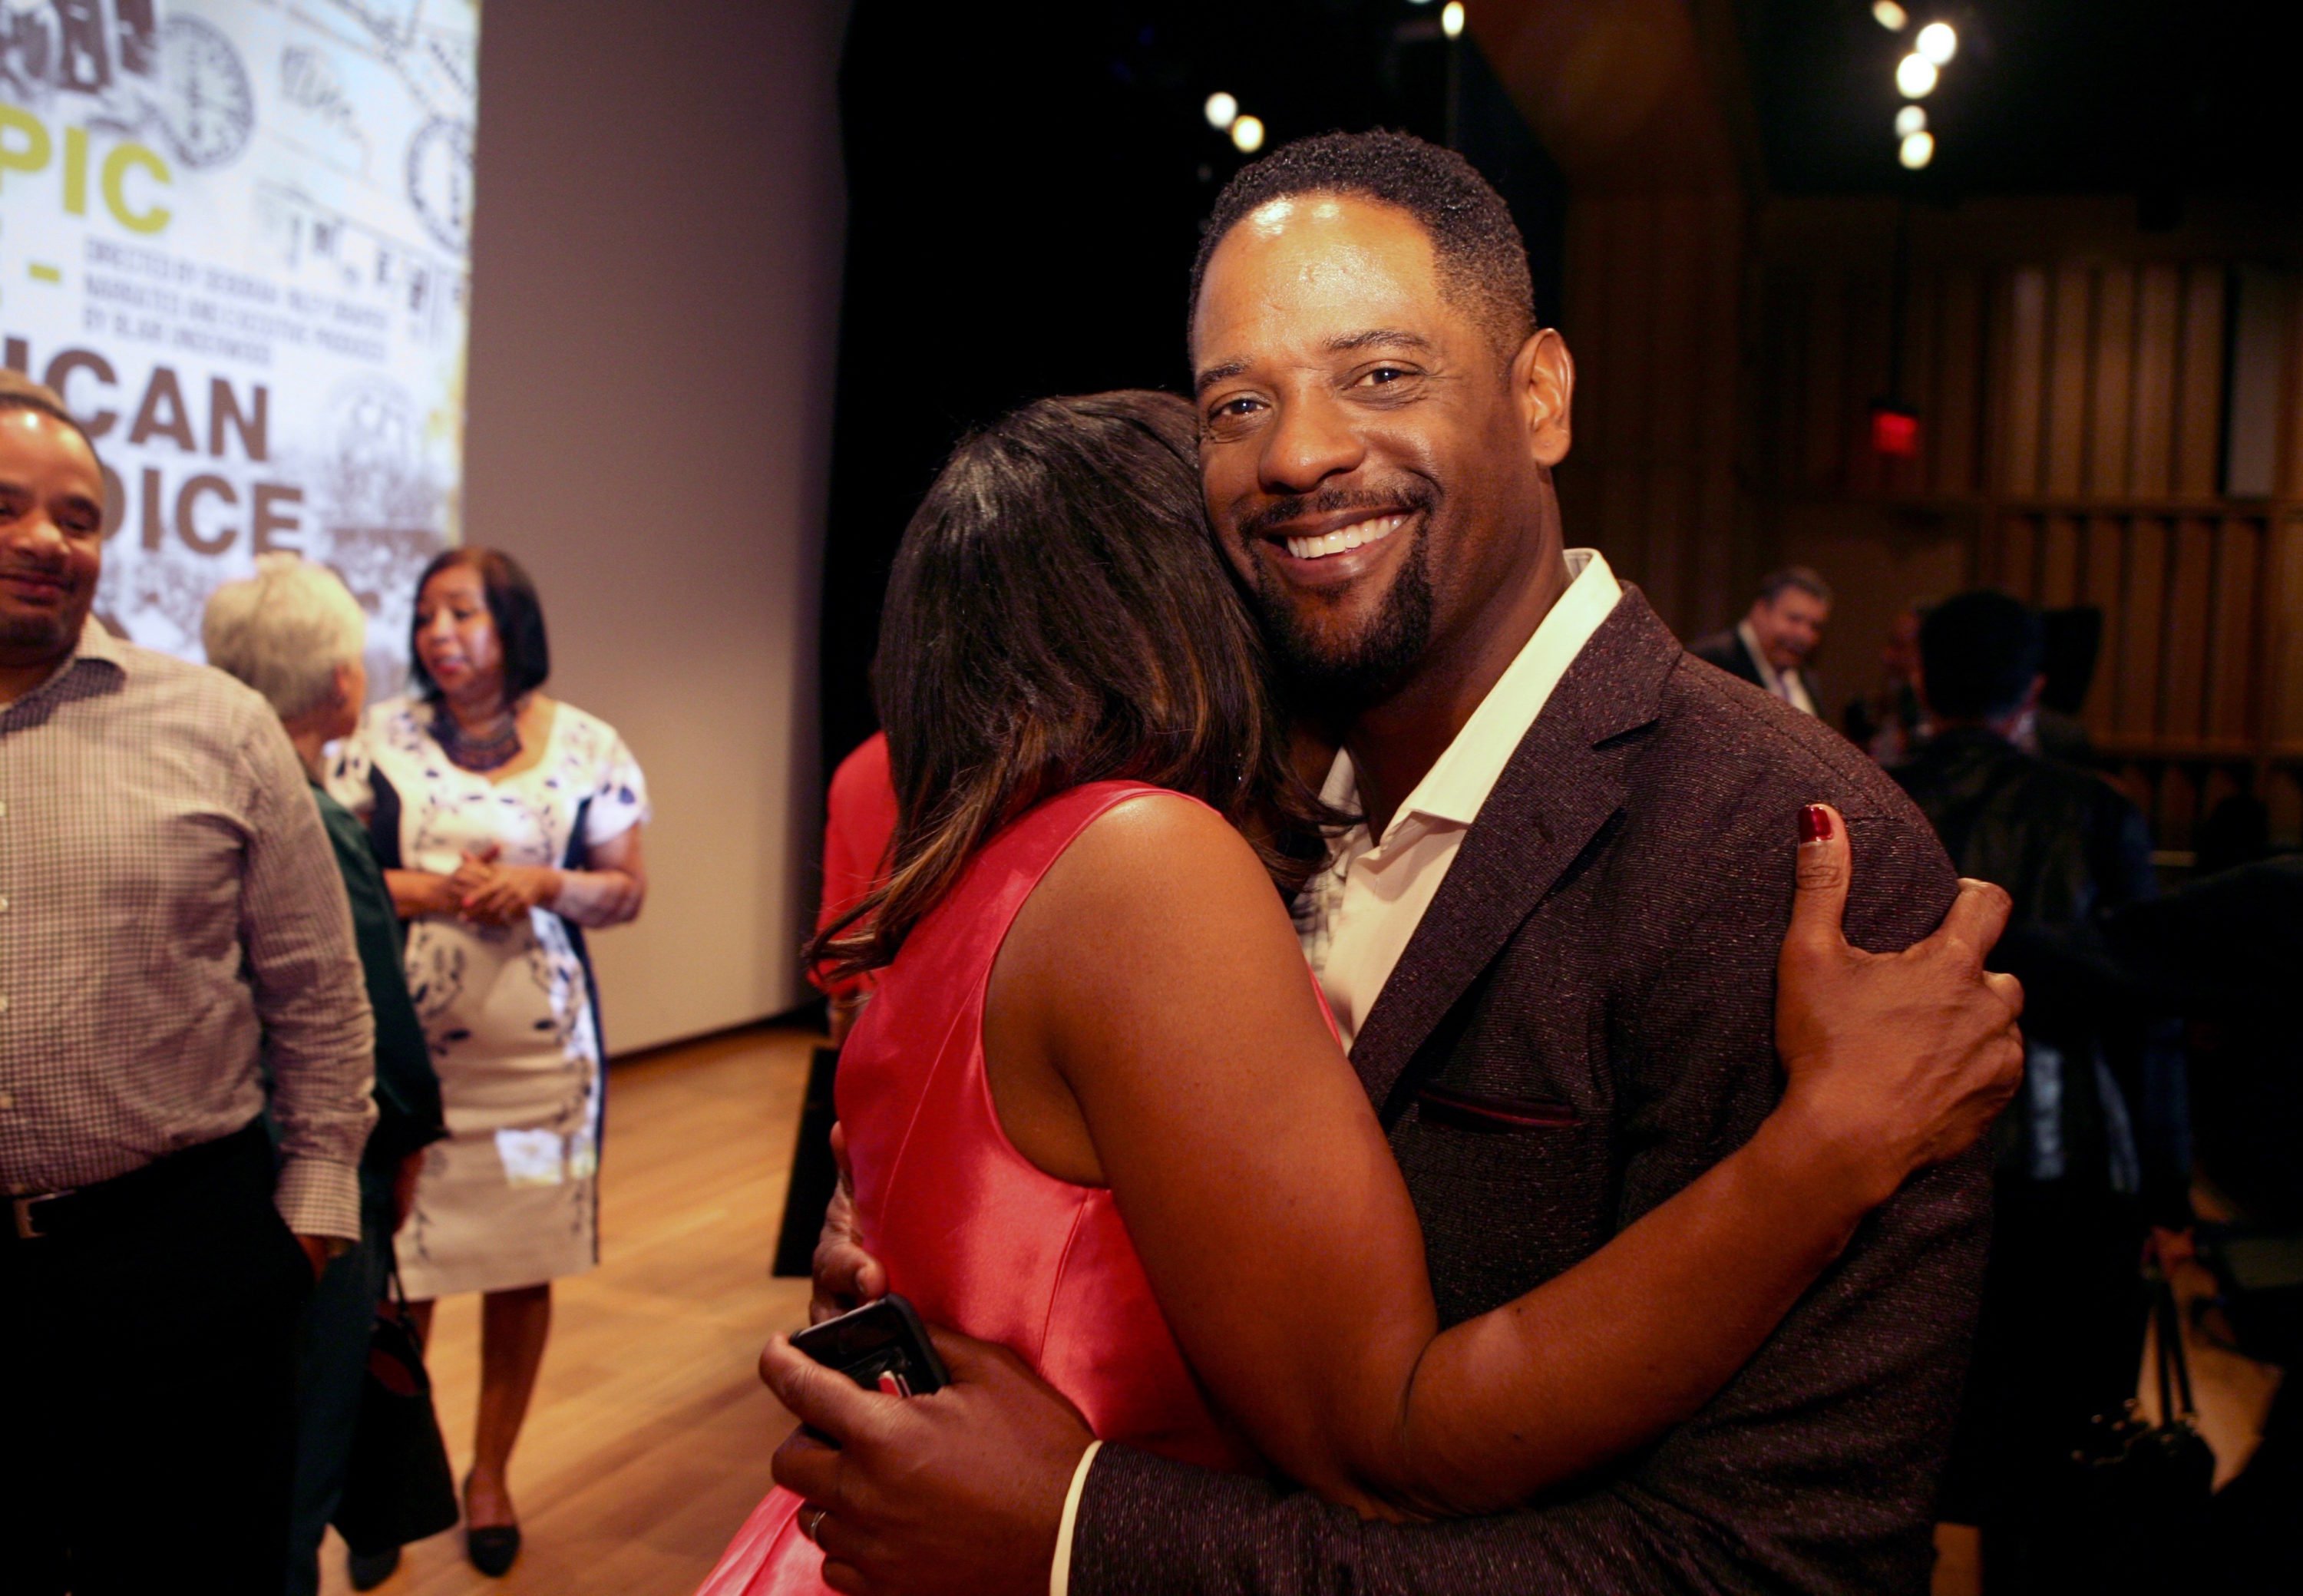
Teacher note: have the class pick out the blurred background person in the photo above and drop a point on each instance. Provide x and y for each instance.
(295, 634)
(507, 823)
(2094, 1143)
(2074, 643)
(859, 820)
(1771, 645)
(1888, 722)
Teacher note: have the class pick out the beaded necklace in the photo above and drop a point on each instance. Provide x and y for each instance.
(478, 754)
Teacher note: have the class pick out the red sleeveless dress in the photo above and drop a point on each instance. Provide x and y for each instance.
(969, 1230)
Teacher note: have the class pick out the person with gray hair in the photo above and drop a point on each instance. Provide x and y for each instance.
(296, 635)
(1771, 645)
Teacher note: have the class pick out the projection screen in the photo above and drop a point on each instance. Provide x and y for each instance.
(235, 234)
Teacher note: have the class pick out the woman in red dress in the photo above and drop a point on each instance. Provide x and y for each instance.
(1093, 1002)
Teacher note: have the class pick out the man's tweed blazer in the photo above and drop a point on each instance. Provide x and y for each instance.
(1583, 1024)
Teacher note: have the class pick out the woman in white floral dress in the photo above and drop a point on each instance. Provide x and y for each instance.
(507, 821)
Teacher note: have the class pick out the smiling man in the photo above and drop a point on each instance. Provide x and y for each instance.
(1551, 944)
(1772, 645)
(173, 931)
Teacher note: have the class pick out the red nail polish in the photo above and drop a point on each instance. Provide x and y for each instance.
(1815, 824)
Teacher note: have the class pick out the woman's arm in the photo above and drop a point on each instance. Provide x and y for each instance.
(419, 892)
(610, 891)
(1178, 1025)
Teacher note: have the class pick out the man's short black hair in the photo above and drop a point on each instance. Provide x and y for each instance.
(1483, 261)
(20, 393)
(1805, 578)
(1978, 655)
(514, 607)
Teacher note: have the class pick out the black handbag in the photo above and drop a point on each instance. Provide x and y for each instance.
(398, 1487)
(2134, 1508)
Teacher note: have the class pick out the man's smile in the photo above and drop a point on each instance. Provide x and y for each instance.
(41, 586)
(1354, 534)
(1335, 550)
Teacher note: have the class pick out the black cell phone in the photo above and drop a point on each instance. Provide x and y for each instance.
(880, 1340)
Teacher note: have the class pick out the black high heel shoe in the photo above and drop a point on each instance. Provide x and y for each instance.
(492, 1548)
(492, 1551)
(368, 1569)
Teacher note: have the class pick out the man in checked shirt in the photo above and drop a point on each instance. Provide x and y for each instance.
(172, 932)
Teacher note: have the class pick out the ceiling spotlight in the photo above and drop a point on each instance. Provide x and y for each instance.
(1918, 149)
(1247, 133)
(1915, 75)
(1890, 15)
(1223, 110)
(1451, 20)
(1911, 120)
(1937, 43)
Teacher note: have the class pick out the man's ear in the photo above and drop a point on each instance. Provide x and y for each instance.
(1543, 384)
(343, 688)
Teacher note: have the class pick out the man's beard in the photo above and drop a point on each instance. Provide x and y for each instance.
(1345, 675)
(37, 637)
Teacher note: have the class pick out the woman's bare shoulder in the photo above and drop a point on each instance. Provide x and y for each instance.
(1162, 845)
(1153, 883)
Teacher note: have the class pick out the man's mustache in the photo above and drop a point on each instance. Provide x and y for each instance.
(1405, 501)
(59, 571)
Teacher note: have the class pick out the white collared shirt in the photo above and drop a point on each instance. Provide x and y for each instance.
(1791, 686)
(1357, 915)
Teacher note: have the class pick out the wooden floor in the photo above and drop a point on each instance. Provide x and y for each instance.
(650, 1436)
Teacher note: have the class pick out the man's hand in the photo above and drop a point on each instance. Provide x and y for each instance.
(955, 1493)
(1903, 1058)
(846, 1275)
(315, 1253)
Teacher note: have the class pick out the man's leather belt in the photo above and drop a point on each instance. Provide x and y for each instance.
(44, 1216)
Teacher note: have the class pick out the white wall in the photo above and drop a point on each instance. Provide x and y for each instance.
(655, 281)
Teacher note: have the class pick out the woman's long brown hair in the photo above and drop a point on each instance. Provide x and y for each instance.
(1057, 615)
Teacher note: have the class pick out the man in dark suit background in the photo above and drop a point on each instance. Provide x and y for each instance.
(1771, 645)
(1561, 995)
